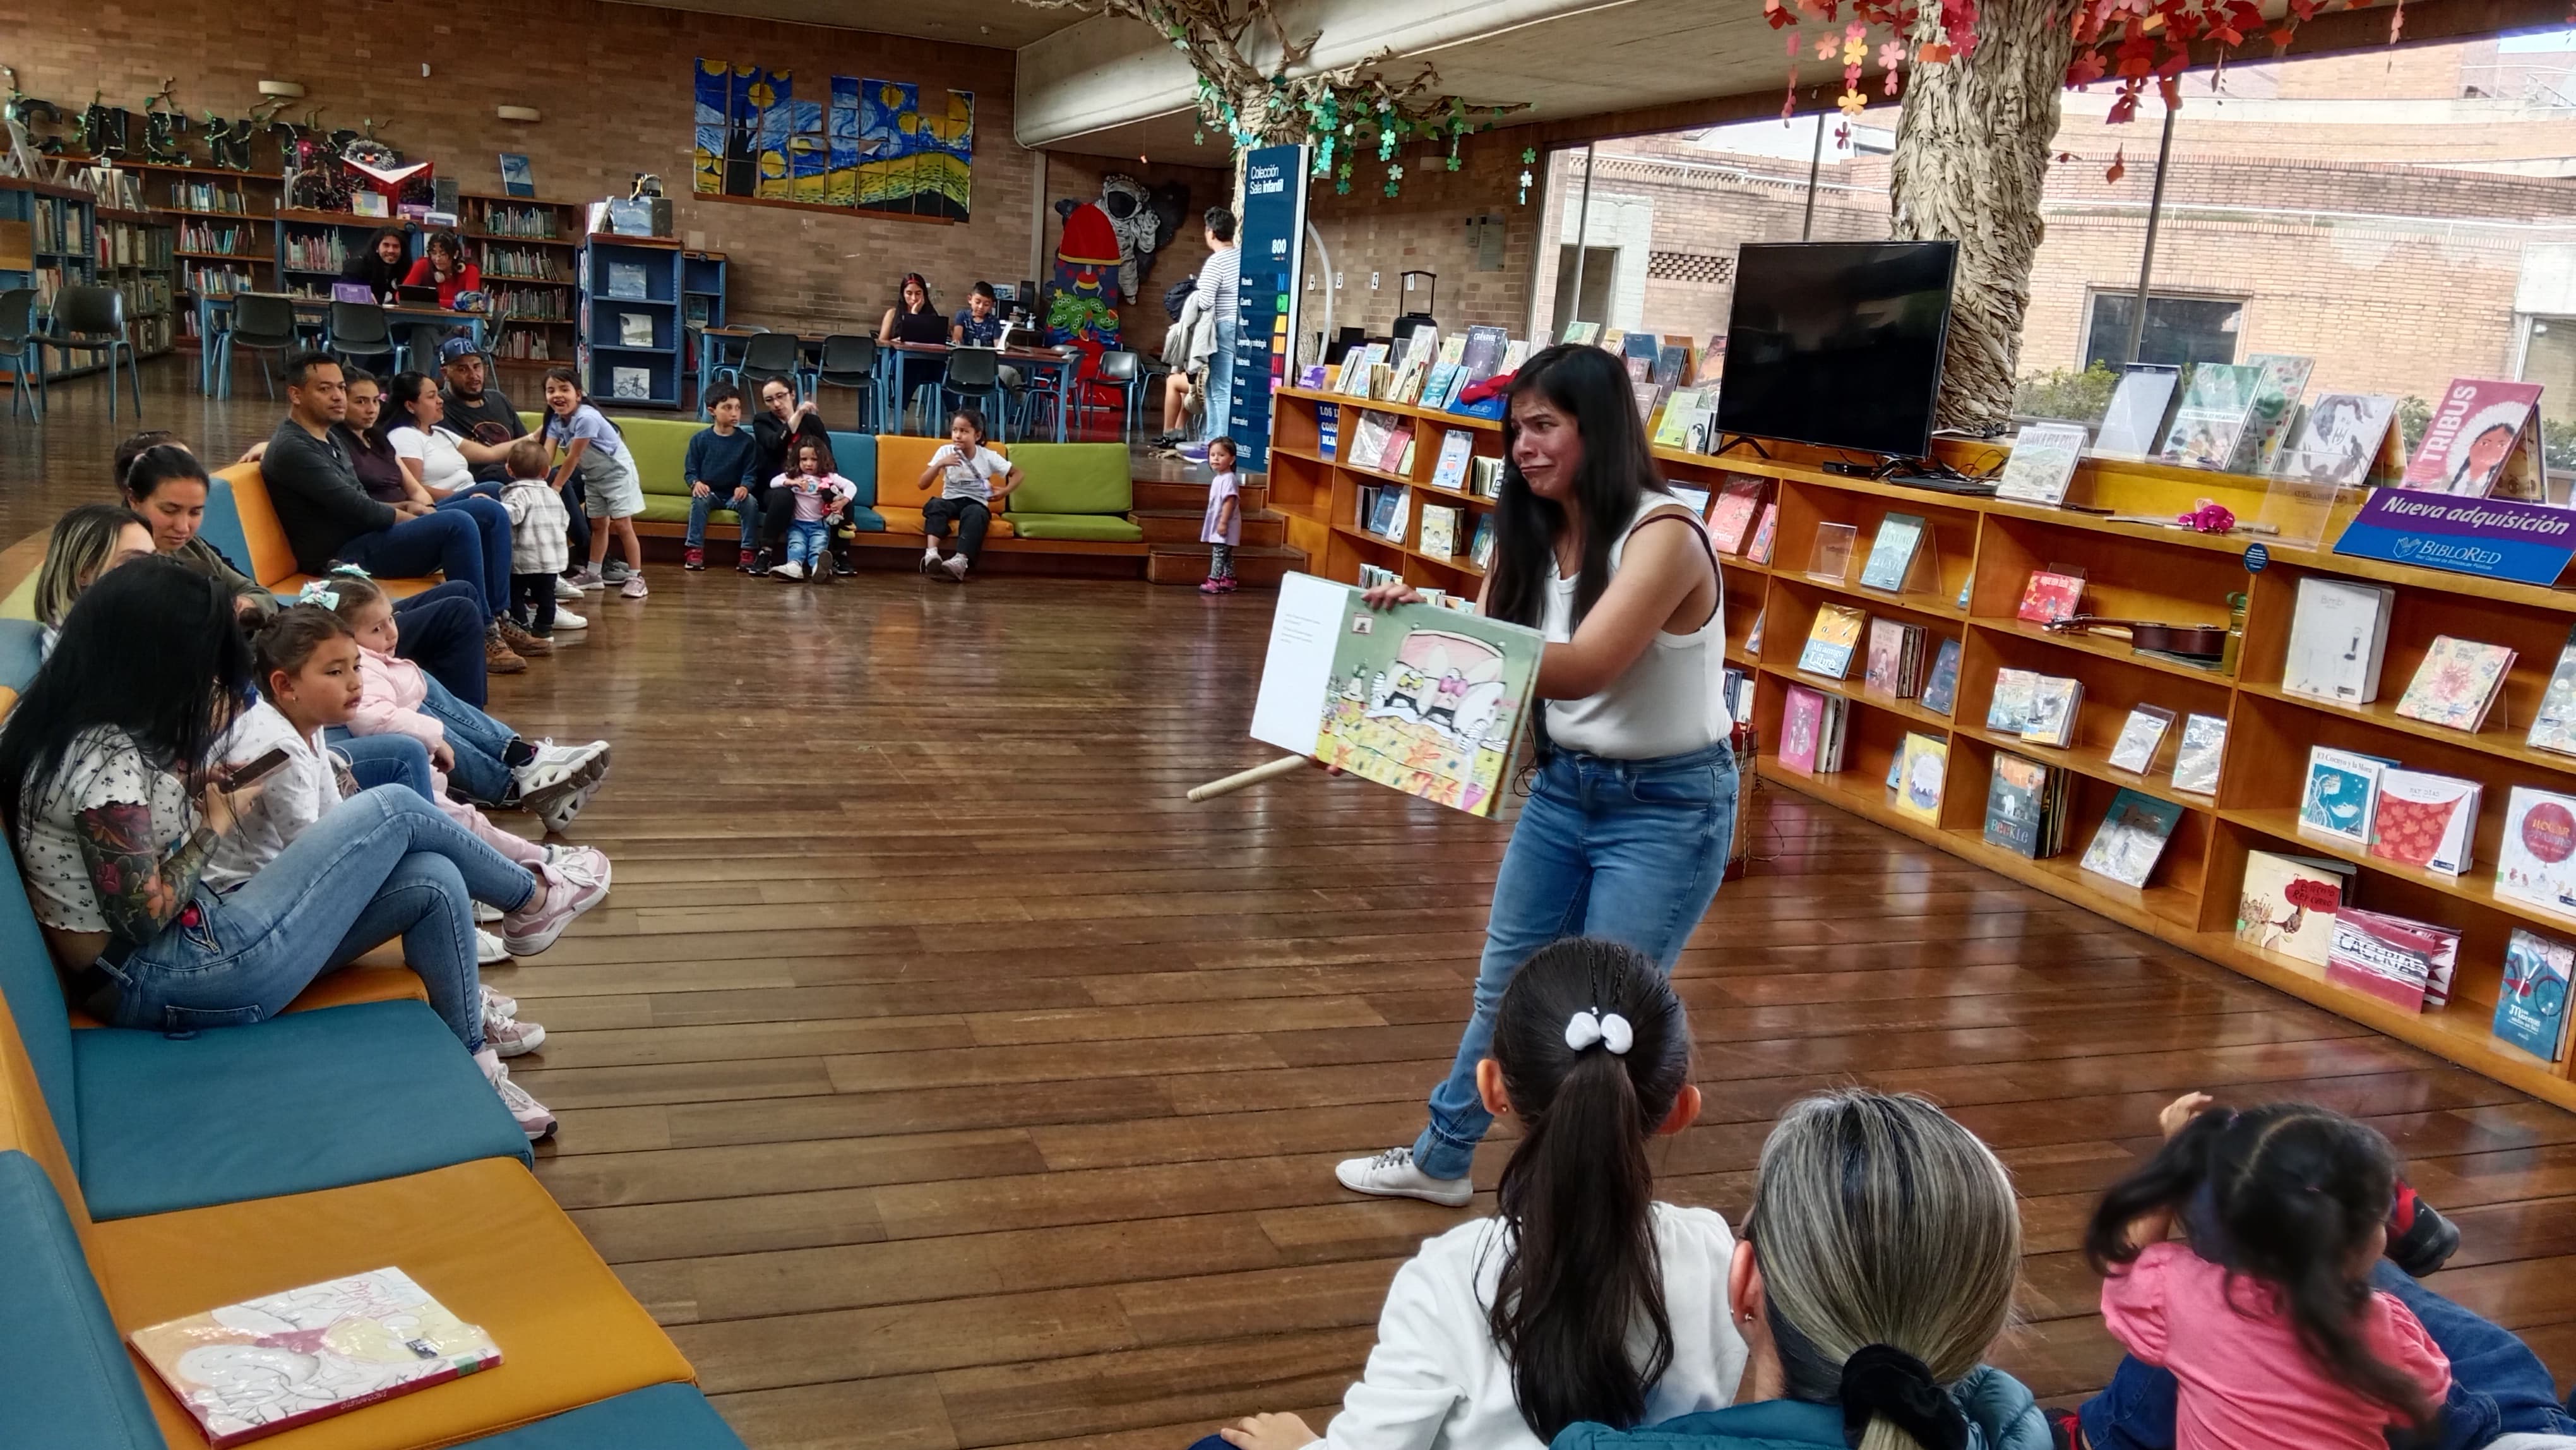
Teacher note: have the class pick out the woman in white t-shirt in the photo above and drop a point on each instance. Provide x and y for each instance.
(1582, 1299)
(438, 458)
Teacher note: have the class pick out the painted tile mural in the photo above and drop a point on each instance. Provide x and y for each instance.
(861, 143)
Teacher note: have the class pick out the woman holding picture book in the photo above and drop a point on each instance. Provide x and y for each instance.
(1626, 831)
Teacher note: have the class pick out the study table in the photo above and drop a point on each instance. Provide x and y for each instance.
(215, 318)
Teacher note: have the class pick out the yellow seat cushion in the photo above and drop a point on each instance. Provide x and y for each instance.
(272, 559)
(342, 988)
(483, 1238)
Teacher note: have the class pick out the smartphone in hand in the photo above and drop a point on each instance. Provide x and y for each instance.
(245, 774)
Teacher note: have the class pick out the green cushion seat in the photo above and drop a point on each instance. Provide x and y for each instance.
(304, 1101)
(1071, 478)
(1093, 528)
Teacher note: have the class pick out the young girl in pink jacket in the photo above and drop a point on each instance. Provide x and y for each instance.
(549, 781)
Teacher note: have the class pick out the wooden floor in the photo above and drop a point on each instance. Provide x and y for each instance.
(942, 1079)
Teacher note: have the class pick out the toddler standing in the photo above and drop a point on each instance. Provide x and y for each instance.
(1223, 527)
(820, 493)
(540, 534)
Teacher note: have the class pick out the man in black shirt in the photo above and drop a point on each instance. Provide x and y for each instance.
(485, 414)
(329, 518)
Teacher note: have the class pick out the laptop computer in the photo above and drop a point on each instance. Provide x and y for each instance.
(417, 296)
(358, 292)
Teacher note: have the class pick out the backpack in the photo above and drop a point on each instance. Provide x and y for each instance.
(1177, 296)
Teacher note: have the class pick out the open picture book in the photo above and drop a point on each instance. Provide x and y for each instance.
(1430, 701)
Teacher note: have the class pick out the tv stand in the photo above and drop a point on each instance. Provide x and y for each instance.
(1742, 441)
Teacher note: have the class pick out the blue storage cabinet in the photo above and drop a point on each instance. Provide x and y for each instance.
(632, 339)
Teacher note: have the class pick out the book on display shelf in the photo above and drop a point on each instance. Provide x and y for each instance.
(2287, 904)
(2531, 1003)
(2051, 596)
(1397, 454)
(2456, 684)
(1753, 637)
(2025, 802)
(1480, 545)
(2141, 736)
(1921, 764)
(1802, 724)
(2536, 858)
(2338, 640)
(2276, 409)
(1892, 552)
(2480, 442)
(2008, 709)
(1730, 517)
(1832, 640)
(1457, 445)
(2426, 821)
(1895, 661)
(2134, 424)
(1941, 687)
(2217, 405)
(2553, 725)
(2042, 463)
(1439, 530)
(2344, 440)
(1674, 430)
(2131, 838)
(2341, 795)
(1765, 532)
(2394, 958)
(1694, 499)
(2055, 703)
(2197, 758)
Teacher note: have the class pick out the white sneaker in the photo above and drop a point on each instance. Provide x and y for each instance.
(789, 570)
(511, 1037)
(496, 1007)
(545, 772)
(484, 913)
(558, 899)
(566, 619)
(634, 587)
(557, 805)
(587, 762)
(566, 592)
(488, 949)
(1391, 1174)
(531, 1115)
(584, 864)
(956, 566)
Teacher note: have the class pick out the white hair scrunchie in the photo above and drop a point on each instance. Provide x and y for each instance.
(1608, 1029)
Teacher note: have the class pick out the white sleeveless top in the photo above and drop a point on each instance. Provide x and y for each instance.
(1672, 701)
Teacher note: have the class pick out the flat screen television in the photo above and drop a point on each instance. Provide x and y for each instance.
(1837, 344)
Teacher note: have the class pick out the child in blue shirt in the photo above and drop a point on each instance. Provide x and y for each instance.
(716, 470)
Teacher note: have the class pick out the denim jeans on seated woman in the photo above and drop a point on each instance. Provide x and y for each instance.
(383, 864)
(2498, 1386)
(1628, 850)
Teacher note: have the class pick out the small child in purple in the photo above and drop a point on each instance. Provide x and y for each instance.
(1223, 527)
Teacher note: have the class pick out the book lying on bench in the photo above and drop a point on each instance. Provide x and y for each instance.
(263, 1365)
(1430, 701)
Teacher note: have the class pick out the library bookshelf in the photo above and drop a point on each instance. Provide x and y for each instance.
(1987, 549)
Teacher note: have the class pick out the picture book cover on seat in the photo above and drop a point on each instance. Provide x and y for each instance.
(2042, 463)
(2394, 958)
(2131, 837)
(2344, 440)
(1427, 700)
(2532, 860)
(2531, 1004)
(272, 1363)
(2476, 431)
(2456, 684)
(2288, 904)
(2217, 405)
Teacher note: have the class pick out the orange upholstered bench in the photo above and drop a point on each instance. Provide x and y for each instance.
(900, 460)
(272, 559)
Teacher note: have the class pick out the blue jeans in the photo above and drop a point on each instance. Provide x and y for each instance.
(493, 522)
(1628, 850)
(376, 760)
(380, 865)
(805, 541)
(1220, 382)
(2498, 1386)
(450, 540)
(479, 741)
(442, 632)
(746, 513)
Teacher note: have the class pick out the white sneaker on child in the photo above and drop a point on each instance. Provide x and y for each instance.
(557, 900)
(1391, 1174)
(956, 566)
(566, 619)
(588, 762)
(488, 949)
(511, 1037)
(789, 570)
(484, 913)
(496, 1007)
(531, 1115)
(566, 592)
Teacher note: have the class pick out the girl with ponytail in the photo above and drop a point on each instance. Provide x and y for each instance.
(1877, 1265)
(1583, 1298)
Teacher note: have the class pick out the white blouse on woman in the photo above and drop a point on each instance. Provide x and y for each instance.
(443, 469)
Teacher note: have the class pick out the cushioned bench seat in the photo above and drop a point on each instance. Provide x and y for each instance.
(240, 496)
(1075, 491)
(661, 450)
(900, 461)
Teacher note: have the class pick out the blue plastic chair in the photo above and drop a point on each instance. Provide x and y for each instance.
(18, 348)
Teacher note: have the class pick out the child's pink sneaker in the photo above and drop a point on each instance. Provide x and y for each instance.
(560, 896)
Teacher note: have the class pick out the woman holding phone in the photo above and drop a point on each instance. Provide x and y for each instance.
(120, 806)
(1627, 828)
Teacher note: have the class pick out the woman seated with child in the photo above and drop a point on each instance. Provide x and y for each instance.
(124, 801)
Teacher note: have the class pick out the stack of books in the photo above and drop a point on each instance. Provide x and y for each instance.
(2026, 806)
(1811, 731)
(1895, 665)
(1731, 518)
(2041, 709)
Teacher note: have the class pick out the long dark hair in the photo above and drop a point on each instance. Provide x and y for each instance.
(2289, 1195)
(159, 464)
(151, 650)
(927, 306)
(401, 399)
(1582, 1278)
(1587, 385)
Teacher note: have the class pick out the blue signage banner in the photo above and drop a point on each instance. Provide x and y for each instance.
(2493, 538)
(1273, 225)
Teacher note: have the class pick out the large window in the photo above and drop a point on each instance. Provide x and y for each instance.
(2179, 330)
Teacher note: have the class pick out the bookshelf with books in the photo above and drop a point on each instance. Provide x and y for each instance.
(1329, 487)
(48, 241)
(2240, 727)
(702, 302)
(135, 253)
(630, 321)
(529, 252)
(313, 248)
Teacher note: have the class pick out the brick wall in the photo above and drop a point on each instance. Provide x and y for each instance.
(613, 82)
(1425, 229)
(1077, 178)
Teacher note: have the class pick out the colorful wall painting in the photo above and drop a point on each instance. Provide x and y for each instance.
(860, 144)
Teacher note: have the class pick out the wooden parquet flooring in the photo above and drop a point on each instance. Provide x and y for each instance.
(943, 1080)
